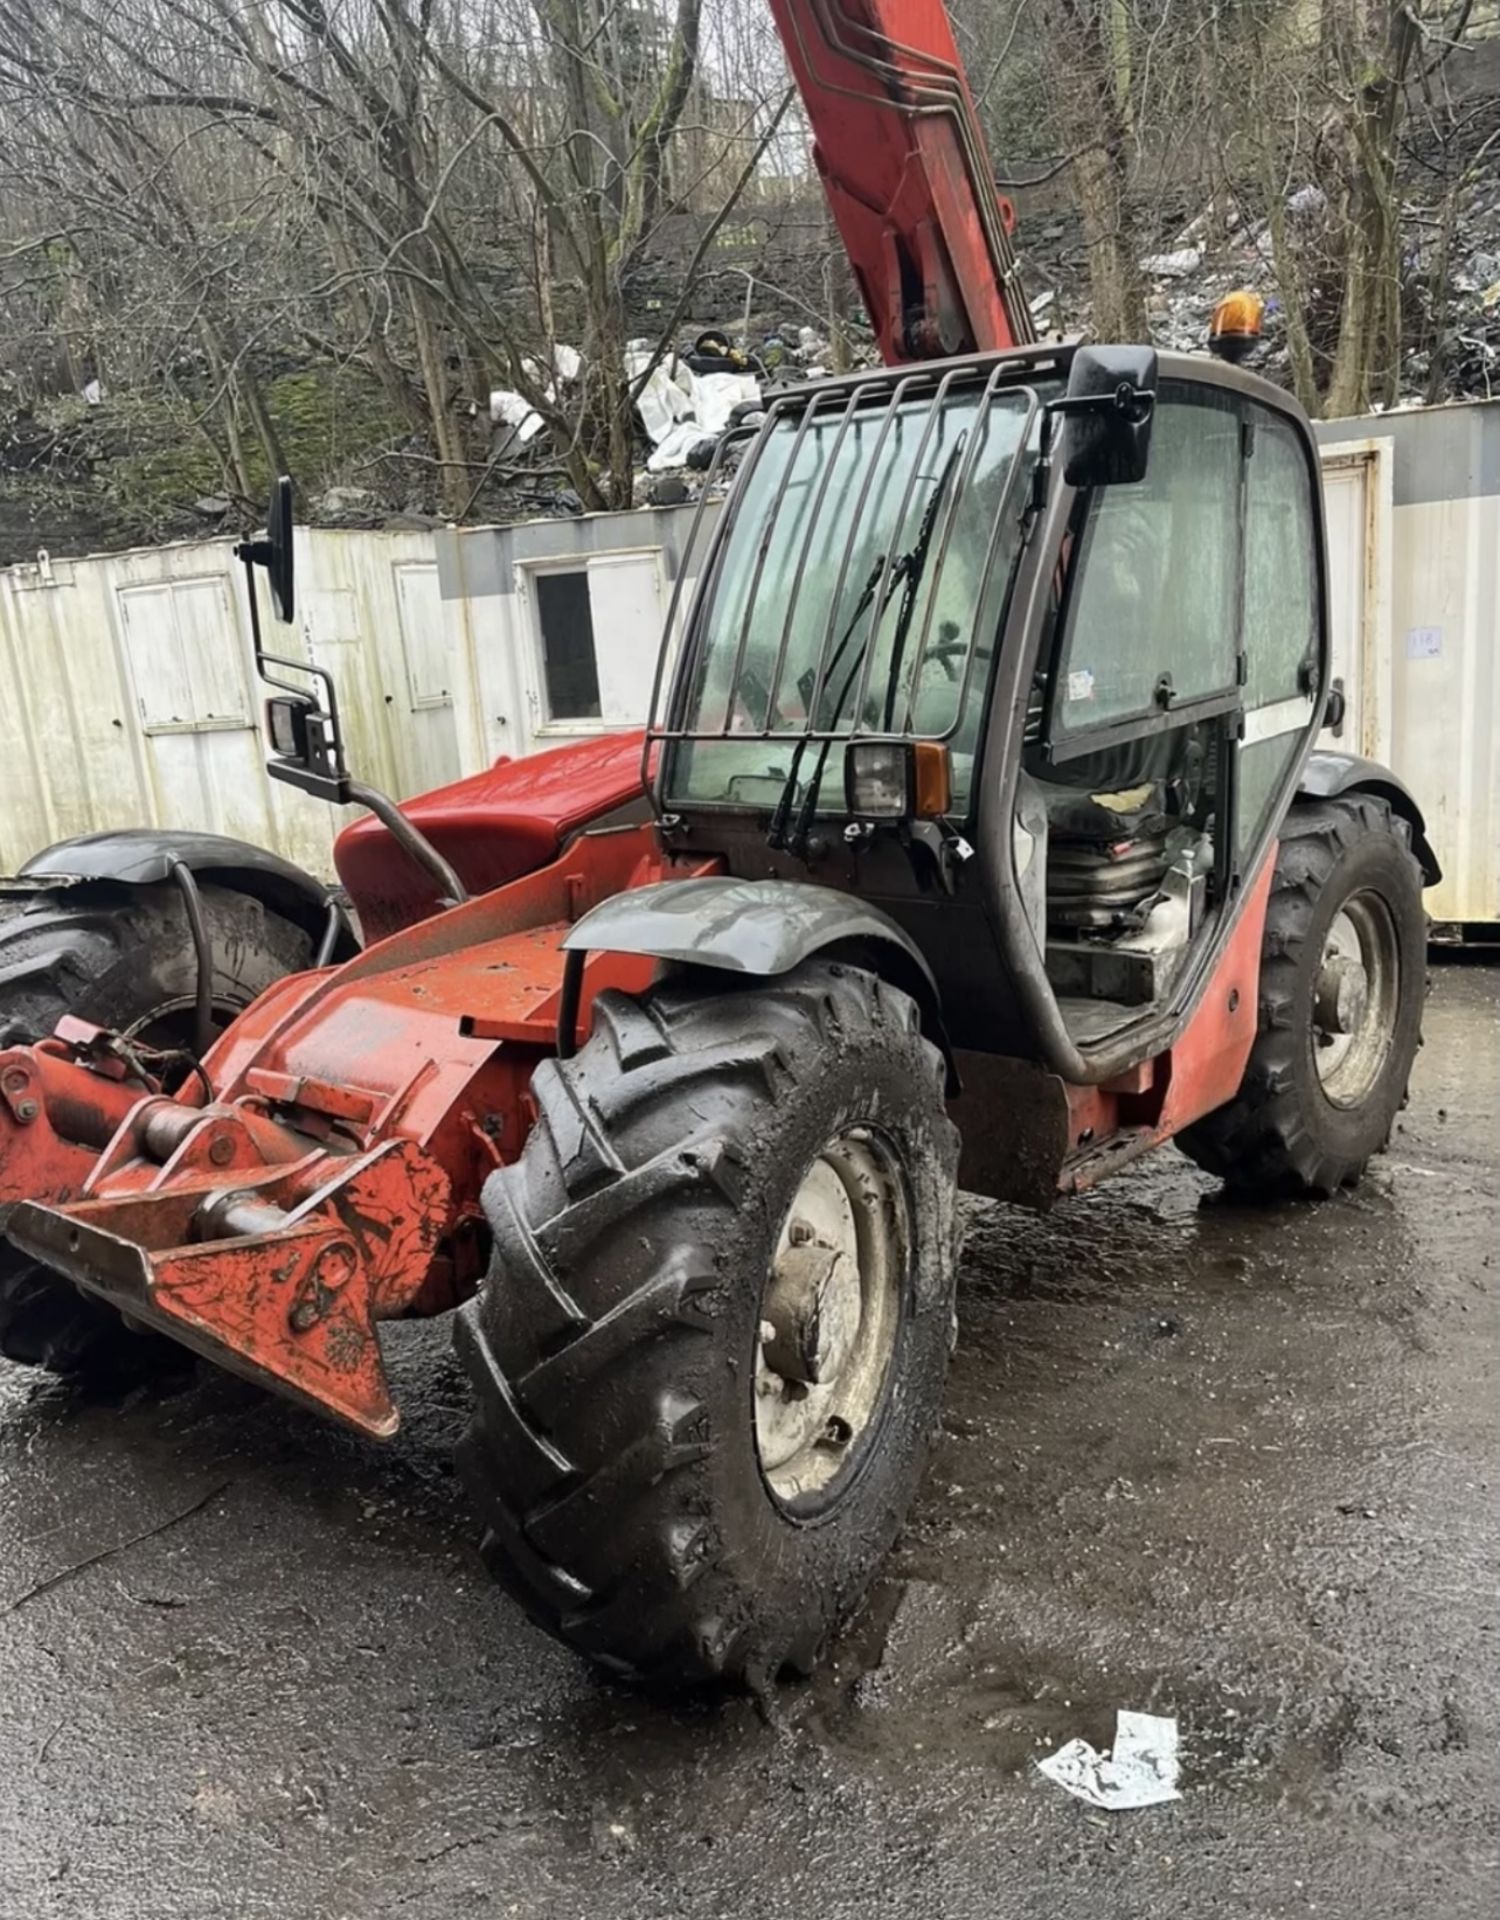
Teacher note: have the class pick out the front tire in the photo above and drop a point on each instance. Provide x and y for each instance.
(121, 959)
(1343, 979)
(711, 1348)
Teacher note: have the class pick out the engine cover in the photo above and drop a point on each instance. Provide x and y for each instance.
(493, 827)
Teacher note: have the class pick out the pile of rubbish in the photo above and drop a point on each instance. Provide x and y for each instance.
(686, 402)
(1452, 351)
(513, 411)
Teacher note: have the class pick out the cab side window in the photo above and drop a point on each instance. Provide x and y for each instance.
(1155, 578)
(1283, 614)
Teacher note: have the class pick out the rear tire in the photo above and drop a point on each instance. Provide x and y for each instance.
(646, 1499)
(121, 959)
(1342, 982)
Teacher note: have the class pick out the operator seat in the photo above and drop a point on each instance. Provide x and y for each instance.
(1109, 815)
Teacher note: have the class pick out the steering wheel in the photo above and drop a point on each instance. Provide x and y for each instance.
(950, 652)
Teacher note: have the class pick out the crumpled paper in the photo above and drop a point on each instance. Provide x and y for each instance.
(1140, 1770)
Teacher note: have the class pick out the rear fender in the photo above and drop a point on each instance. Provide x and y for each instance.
(762, 928)
(1329, 773)
(146, 856)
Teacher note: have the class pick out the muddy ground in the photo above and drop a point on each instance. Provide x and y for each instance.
(1233, 1466)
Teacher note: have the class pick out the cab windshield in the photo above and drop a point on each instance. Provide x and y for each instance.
(858, 589)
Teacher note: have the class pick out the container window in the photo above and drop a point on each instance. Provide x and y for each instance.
(570, 667)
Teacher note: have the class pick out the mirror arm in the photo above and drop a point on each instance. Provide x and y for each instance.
(1136, 403)
(249, 553)
(330, 783)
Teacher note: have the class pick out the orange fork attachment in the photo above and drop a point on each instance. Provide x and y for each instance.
(334, 1178)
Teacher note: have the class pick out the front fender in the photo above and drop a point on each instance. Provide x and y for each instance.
(761, 928)
(1328, 772)
(145, 856)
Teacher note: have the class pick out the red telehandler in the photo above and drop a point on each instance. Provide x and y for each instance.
(979, 837)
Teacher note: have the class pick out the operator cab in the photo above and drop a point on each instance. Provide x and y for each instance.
(1173, 693)
(1024, 648)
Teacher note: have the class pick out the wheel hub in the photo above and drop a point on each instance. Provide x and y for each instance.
(1355, 1000)
(1343, 995)
(829, 1314)
(811, 1309)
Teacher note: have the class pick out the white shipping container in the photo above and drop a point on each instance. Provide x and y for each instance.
(1414, 567)
(129, 697)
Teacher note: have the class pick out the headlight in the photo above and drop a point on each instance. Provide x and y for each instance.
(897, 779)
(876, 779)
(286, 728)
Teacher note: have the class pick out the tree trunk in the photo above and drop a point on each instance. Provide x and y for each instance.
(238, 466)
(1118, 295)
(372, 350)
(445, 439)
(1440, 294)
(247, 388)
(836, 274)
(1088, 54)
(1366, 362)
(1286, 264)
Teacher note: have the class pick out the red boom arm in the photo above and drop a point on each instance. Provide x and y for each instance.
(897, 141)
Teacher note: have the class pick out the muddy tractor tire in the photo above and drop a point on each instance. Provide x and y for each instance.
(122, 959)
(711, 1348)
(1342, 984)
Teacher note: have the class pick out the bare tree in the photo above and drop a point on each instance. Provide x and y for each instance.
(427, 199)
(445, 191)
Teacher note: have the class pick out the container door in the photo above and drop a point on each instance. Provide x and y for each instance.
(427, 735)
(1355, 489)
(190, 676)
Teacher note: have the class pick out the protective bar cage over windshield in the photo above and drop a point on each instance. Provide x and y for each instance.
(855, 586)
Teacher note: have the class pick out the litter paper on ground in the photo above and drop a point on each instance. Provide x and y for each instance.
(1139, 1771)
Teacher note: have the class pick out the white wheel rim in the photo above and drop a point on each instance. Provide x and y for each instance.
(1355, 998)
(829, 1316)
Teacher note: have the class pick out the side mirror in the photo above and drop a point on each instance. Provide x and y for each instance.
(307, 748)
(274, 552)
(279, 541)
(1107, 414)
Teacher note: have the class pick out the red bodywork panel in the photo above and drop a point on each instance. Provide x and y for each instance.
(897, 142)
(493, 827)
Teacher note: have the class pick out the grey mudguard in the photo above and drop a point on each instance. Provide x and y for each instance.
(145, 856)
(1328, 772)
(760, 928)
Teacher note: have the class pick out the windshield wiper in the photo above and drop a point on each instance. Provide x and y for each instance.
(917, 567)
(776, 831)
(908, 572)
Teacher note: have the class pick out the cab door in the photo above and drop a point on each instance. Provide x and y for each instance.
(1191, 641)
